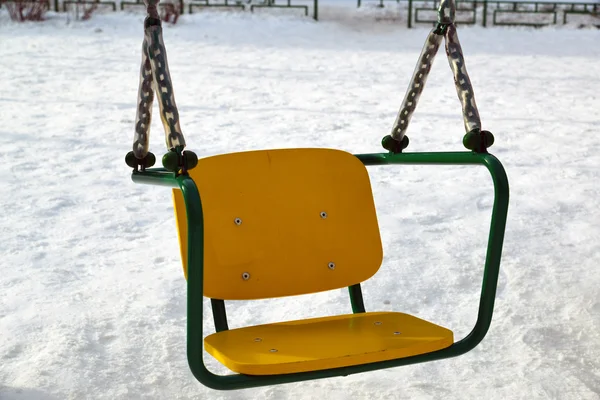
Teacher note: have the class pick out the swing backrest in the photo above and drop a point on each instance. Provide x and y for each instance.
(283, 222)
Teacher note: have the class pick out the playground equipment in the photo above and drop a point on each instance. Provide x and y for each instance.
(272, 223)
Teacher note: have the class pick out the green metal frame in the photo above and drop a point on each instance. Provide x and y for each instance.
(268, 4)
(513, 9)
(462, 7)
(195, 281)
(207, 3)
(140, 3)
(415, 8)
(89, 3)
(576, 9)
(288, 4)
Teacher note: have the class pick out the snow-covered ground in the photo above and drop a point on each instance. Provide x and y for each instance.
(92, 298)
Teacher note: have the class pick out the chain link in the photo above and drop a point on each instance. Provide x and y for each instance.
(416, 85)
(164, 88)
(143, 117)
(464, 89)
(155, 77)
(446, 12)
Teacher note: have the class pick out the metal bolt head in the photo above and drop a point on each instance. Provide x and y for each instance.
(245, 276)
(397, 333)
(331, 266)
(238, 221)
(323, 214)
(377, 323)
(257, 339)
(273, 350)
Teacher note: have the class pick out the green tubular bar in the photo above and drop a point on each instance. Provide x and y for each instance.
(356, 299)
(195, 271)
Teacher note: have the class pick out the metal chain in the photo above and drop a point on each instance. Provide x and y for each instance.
(155, 76)
(416, 85)
(464, 89)
(445, 29)
(164, 87)
(143, 117)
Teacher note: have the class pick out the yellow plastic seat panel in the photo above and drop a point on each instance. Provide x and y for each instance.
(283, 222)
(323, 343)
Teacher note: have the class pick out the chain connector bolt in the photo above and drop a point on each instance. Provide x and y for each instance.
(132, 161)
(178, 159)
(394, 146)
(478, 140)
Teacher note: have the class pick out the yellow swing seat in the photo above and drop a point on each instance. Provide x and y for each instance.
(324, 343)
(288, 222)
(274, 223)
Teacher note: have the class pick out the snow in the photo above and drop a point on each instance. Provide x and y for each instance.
(92, 298)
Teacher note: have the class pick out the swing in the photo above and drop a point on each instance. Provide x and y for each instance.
(273, 223)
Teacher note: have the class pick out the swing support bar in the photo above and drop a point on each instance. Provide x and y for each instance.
(160, 176)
